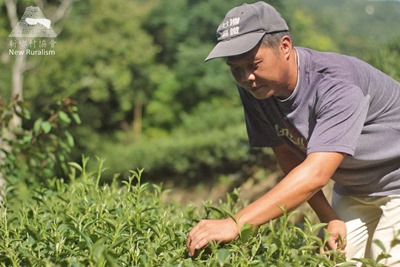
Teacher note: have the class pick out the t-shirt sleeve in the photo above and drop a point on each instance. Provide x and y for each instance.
(340, 115)
(260, 131)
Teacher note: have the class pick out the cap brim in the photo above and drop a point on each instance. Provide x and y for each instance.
(236, 46)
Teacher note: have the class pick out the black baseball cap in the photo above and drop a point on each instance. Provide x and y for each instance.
(243, 28)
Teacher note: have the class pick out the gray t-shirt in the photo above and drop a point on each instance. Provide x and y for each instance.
(340, 104)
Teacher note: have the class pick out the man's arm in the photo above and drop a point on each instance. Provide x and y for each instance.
(298, 186)
(287, 160)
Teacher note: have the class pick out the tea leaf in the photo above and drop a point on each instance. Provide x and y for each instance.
(223, 255)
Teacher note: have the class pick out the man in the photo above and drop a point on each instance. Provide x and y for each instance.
(325, 116)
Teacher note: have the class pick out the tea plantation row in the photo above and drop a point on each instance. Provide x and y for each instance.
(85, 223)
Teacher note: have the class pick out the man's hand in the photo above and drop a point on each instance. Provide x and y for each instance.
(211, 230)
(338, 231)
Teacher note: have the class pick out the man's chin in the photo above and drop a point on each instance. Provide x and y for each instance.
(260, 95)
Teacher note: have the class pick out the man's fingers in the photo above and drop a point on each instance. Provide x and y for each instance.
(336, 243)
(210, 230)
(197, 237)
(204, 232)
(337, 240)
(332, 243)
(197, 244)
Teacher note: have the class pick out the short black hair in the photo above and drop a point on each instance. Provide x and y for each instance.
(273, 39)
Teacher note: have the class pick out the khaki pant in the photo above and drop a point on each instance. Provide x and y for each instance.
(368, 219)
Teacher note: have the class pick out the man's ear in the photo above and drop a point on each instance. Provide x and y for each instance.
(286, 45)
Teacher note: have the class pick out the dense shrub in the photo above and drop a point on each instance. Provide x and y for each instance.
(35, 149)
(85, 223)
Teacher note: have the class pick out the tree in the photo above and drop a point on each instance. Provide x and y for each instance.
(104, 60)
(185, 40)
(21, 64)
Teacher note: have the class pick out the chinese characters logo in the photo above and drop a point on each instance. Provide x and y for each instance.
(33, 35)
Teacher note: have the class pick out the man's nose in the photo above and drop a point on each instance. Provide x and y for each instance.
(248, 76)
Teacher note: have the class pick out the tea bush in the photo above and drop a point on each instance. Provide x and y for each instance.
(126, 223)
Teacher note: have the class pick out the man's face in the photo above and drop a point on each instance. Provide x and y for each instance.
(262, 72)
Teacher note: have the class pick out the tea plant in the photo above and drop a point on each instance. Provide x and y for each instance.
(125, 223)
